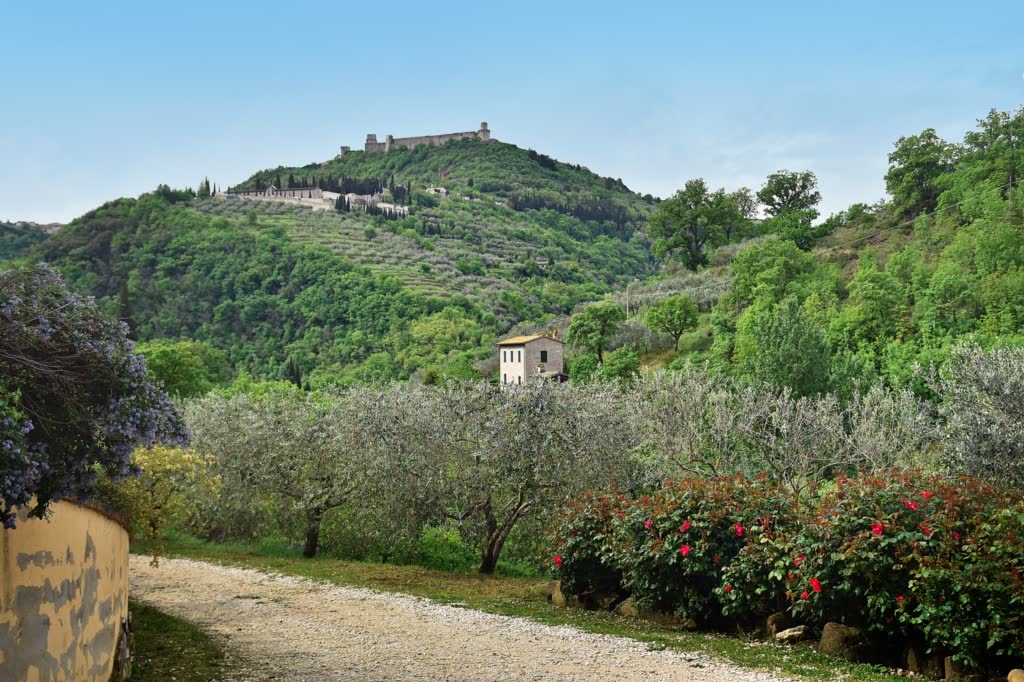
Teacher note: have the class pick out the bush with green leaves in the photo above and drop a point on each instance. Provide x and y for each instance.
(903, 555)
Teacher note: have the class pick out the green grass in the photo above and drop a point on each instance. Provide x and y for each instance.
(167, 648)
(524, 597)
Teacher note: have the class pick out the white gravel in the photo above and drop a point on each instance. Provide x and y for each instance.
(287, 628)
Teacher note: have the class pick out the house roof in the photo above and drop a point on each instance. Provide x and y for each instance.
(522, 340)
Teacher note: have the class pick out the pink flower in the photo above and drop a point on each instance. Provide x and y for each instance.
(647, 523)
(878, 528)
(739, 530)
(728, 589)
(912, 506)
(558, 561)
(797, 561)
(956, 535)
(815, 584)
(804, 595)
(685, 527)
(926, 494)
(684, 550)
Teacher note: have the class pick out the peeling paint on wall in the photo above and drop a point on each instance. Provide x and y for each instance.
(60, 619)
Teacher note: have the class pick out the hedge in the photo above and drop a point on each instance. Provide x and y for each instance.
(902, 555)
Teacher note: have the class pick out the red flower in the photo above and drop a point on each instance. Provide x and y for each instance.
(956, 535)
(684, 550)
(790, 576)
(647, 523)
(739, 530)
(926, 494)
(899, 598)
(717, 558)
(685, 527)
(815, 584)
(798, 560)
(558, 561)
(728, 588)
(804, 595)
(912, 506)
(878, 528)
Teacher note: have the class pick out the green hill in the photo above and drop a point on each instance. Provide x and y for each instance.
(328, 296)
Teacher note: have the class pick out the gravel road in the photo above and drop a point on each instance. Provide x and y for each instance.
(300, 630)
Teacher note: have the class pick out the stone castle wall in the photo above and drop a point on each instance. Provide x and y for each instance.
(391, 142)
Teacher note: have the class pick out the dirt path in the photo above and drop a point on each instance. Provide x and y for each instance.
(300, 630)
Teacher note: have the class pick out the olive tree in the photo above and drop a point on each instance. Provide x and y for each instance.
(982, 405)
(487, 457)
(296, 446)
(700, 423)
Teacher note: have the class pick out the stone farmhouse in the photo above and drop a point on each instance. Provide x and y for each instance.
(522, 358)
(391, 142)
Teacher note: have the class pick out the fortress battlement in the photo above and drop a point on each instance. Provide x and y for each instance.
(391, 142)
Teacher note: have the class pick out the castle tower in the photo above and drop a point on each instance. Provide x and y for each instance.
(484, 134)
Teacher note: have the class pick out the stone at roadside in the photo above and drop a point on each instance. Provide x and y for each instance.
(843, 641)
(599, 601)
(776, 623)
(957, 672)
(556, 595)
(1016, 675)
(655, 616)
(917, 660)
(792, 635)
(627, 609)
(549, 590)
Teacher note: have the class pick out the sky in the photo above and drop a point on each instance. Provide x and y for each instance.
(102, 100)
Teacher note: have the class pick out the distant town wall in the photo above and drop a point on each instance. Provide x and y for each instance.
(391, 142)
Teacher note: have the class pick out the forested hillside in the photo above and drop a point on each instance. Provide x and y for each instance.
(779, 295)
(882, 287)
(345, 296)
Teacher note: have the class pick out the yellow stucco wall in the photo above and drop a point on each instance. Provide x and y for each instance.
(63, 595)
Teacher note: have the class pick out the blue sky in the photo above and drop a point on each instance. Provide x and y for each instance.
(101, 100)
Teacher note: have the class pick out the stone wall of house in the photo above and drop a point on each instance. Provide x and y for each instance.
(64, 597)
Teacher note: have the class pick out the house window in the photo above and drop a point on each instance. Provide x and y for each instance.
(519, 380)
(543, 356)
(520, 356)
(504, 378)
(503, 358)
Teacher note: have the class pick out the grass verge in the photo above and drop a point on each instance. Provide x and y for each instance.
(524, 597)
(167, 648)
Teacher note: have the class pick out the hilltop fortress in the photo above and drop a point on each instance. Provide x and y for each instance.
(391, 142)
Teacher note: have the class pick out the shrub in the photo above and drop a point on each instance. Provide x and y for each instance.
(902, 555)
(74, 396)
(443, 549)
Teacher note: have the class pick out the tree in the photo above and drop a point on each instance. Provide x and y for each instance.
(915, 165)
(622, 364)
(673, 316)
(746, 211)
(204, 189)
(982, 403)
(789, 350)
(787, 191)
(186, 369)
(592, 327)
(583, 367)
(73, 394)
(486, 458)
(287, 444)
(691, 221)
